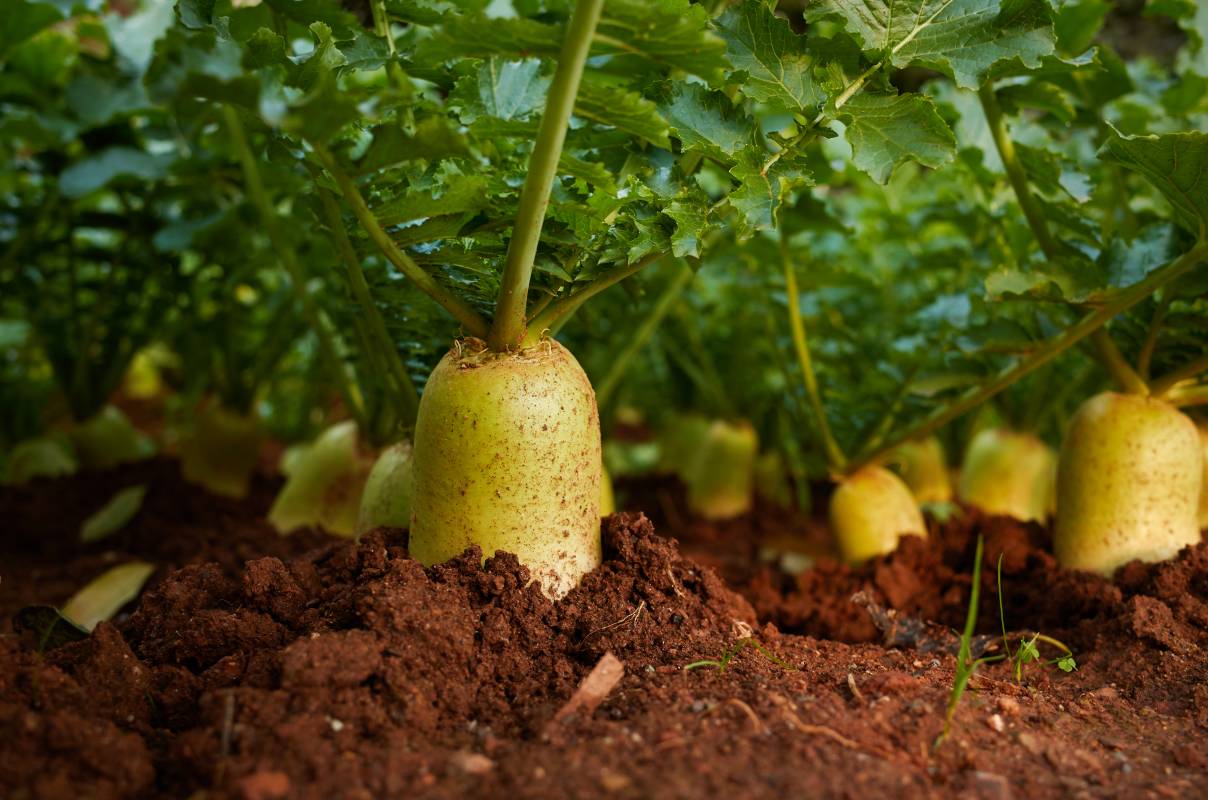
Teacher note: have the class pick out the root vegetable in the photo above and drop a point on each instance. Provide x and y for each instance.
(1008, 473)
(1128, 483)
(221, 451)
(386, 501)
(870, 511)
(679, 442)
(108, 439)
(507, 457)
(924, 468)
(721, 477)
(44, 457)
(608, 500)
(325, 485)
(1203, 427)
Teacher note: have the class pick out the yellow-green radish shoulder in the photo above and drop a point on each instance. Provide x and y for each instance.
(870, 511)
(1128, 483)
(507, 457)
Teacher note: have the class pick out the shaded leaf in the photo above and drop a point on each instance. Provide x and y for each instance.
(105, 595)
(885, 130)
(1176, 164)
(961, 38)
(774, 60)
(114, 515)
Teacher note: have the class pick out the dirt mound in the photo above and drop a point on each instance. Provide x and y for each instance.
(354, 672)
(43, 562)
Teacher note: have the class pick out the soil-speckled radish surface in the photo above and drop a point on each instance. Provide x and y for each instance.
(350, 671)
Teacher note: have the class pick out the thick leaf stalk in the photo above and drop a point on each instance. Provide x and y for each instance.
(509, 328)
(221, 451)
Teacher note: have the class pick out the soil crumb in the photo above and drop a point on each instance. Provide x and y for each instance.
(351, 671)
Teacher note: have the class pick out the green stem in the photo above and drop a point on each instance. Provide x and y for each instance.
(470, 319)
(381, 26)
(1145, 359)
(1162, 386)
(1016, 173)
(508, 328)
(700, 368)
(1113, 360)
(409, 397)
(808, 132)
(1049, 640)
(637, 339)
(704, 358)
(289, 259)
(1046, 352)
(1105, 348)
(568, 304)
(835, 460)
(1189, 396)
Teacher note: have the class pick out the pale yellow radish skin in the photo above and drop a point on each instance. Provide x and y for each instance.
(924, 468)
(1203, 427)
(870, 511)
(386, 499)
(1008, 473)
(608, 500)
(1128, 483)
(108, 439)
(507, 457)
(221, 451)
(325, 484)
(721, 478)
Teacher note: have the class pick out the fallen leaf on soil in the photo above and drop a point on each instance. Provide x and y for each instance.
(593, 689)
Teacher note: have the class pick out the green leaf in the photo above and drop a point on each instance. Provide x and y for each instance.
(134, 37)
(97, 101)
(961, 38)
(105, 595)
(195, 14)
(265, 48)
(456, 194)
(763, 191)
(22, 20)
(479, 36)
(671, 33)
(622, 109)
(1077, 23)
(775, 61)
(1176, 164)
(114, 515)
(1129, 262)
(705, 122)
(431, 139)
(691, 215)
(96, 171)
(322, 62)
(885, 130)
(502, 89)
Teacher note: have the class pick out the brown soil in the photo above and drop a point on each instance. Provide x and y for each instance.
(351, 671)
(43, 562)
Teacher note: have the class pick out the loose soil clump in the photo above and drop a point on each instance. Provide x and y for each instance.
(44, 561)
(351, 671)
